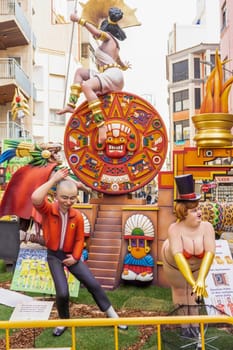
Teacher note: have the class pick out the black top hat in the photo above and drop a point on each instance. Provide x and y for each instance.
(185, 186)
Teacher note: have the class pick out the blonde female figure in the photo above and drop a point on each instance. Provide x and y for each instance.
(189, 250)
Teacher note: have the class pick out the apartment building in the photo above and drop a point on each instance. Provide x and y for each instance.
(17, 50)
(188, 71)
(191, 51)
(56, 57)
(190, 59)
(39, 52)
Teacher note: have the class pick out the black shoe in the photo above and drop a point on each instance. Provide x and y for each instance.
(122, 327)
(188, 333)
(195, 331)
(185, 332)
(59, 331)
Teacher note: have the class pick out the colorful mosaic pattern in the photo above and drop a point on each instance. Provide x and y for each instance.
(133, 153)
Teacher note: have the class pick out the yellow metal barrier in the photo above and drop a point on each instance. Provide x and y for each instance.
(130, 321)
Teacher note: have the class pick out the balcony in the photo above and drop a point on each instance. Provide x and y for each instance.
(12, 130)
(14, 27)
(12, 75)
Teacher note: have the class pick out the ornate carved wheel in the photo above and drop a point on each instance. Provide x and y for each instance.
(133, 153)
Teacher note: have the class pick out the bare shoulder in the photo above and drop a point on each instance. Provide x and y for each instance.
(173, 229)
(207, 226)
(172, 226)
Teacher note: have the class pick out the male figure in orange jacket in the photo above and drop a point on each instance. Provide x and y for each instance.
(63, 230)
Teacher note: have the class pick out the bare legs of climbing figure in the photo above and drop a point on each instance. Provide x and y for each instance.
(82, 83)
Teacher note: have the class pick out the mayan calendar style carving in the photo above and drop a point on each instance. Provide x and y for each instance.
(133, 152)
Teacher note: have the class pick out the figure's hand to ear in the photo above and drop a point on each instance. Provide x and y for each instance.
(42, 191)
(60, 174)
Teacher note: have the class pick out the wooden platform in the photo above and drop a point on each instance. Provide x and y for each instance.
(123, 199)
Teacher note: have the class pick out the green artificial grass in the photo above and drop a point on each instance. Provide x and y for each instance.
(2, 266)
(121, 296)
(5, 314)
(127, 297)
(5, 276)
(218, 339)
(90, 338)
(148, 304)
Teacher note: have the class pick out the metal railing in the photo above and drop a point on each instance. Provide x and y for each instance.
(12, 8)
(10, 69)
(12, 130)
(157, 321)
(7, 7)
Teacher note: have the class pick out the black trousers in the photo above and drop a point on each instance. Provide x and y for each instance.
(82, 273)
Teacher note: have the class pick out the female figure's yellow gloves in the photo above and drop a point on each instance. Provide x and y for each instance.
(184, 268)
(199, 287)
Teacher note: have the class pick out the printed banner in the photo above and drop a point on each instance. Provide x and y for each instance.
(16, 162)
(220, 281)
(32, 274)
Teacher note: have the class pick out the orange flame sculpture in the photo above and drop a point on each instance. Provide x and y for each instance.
(217, 91)
(214, 123)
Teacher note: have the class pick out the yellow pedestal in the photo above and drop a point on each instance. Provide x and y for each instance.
(213, 129)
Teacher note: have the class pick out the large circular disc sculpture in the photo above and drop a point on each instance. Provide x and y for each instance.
(133, 153)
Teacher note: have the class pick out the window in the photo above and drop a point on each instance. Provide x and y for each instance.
(180, 71)
(224, 16)
(180, 101)
(56, 118)
(88, 52)
(17, 59)
(227, 73)
(59, 11)
(197, 98)
(181, 131)
(197, 74)
(212, 61)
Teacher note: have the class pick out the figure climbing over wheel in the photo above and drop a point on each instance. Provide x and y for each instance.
(114, 141)
(108, 77)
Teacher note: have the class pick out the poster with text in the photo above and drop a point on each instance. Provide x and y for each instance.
(32, 274)
(220, 281)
